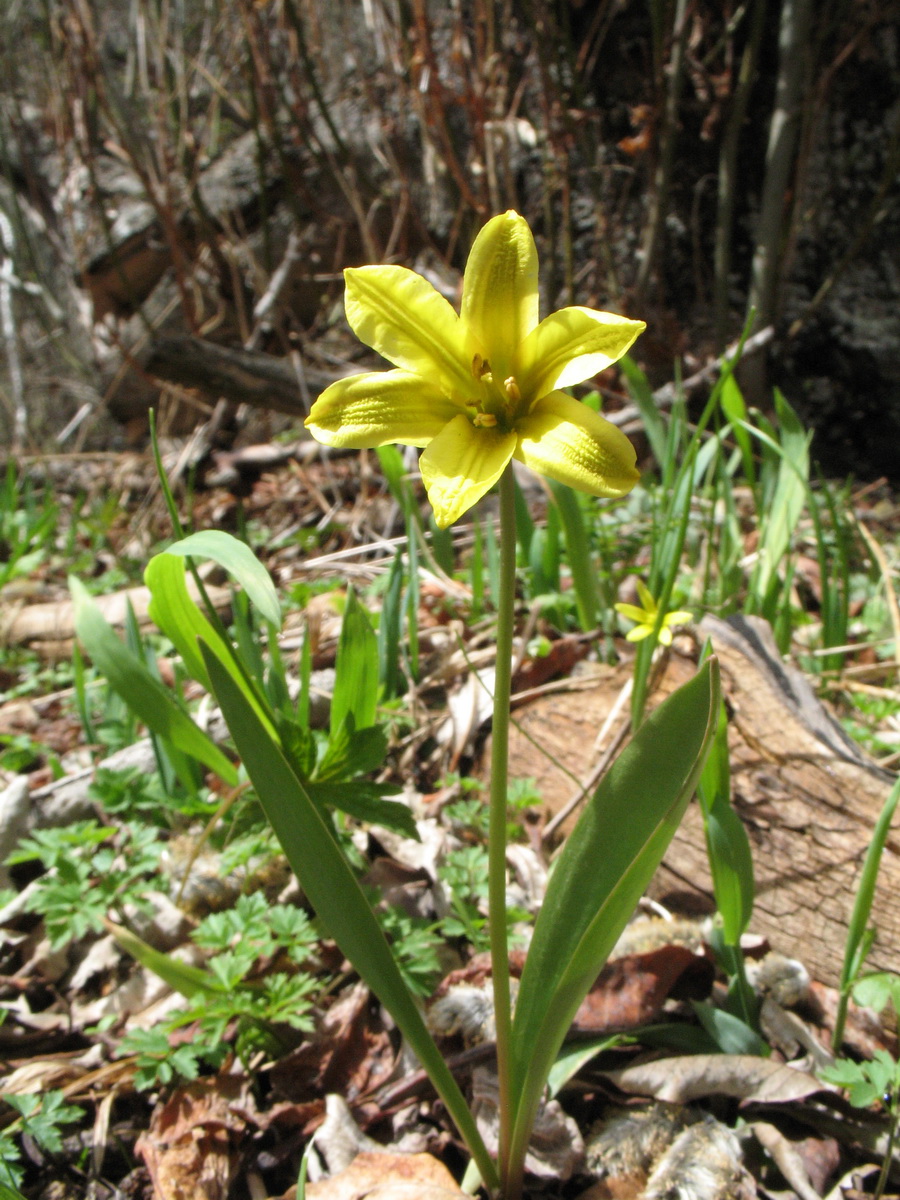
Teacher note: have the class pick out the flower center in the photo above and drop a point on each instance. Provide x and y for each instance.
(499, 403)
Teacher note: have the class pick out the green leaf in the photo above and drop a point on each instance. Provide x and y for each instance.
(334, 892)
(642, 395)
(783, 513)
(356, 669)
(730, 1033)
(734, 408)
(9, 1193)
(143, 694)
(353, 752)
(179, 617)
(365, 801)
(188, 981)
(877, 990)
(573, 1058)
(584, 576)
(239, 561)
(600, 875)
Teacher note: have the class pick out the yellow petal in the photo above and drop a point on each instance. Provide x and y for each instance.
(646, 597)
(678, 618)
(570, 346)
(571, 443)
(500, 290)
(399, 314)
(632, 612)
(461, 464)
(665, 636)
(638, 633)
(380, 407)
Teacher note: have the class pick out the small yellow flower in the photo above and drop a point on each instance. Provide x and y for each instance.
(479, 388)
(646, 617)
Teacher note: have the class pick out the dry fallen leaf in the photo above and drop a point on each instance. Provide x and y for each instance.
(373, 1176)
(682, 1079)
(191, 1149)
(632, 990)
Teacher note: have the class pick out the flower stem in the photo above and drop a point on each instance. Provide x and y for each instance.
(497, 827)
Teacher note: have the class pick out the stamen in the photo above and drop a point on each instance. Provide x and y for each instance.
(484, 420)
(480, 367)
(512, 389)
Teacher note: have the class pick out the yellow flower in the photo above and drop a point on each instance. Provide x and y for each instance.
(646, 617)
(481, 387)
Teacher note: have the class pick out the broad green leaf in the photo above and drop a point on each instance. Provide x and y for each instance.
(366, 802)
(352, 752)
(188, 981)
(356, 669)
(600, 875)
(334, 892)
(730, 1034)
(239, 561)
(144, 695)
(578, 1055)
(176, 613)
(877, 990)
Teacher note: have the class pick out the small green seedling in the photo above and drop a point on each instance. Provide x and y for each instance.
(876, 1081)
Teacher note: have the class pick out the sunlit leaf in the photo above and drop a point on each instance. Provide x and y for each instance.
(143, 694)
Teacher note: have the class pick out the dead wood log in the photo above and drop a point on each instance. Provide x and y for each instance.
(241, 376)
(809, 798)
(808, 795)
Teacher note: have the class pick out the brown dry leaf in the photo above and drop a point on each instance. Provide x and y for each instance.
(682, 1079)
(373, 1176)
(350, 1053)
(191, 1149)
(632, 990)
(562, 656)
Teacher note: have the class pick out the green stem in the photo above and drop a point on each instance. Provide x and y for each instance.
(497, 828)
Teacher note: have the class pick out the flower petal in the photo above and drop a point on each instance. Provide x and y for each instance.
(648, 603)
(570, 346)
(379, 407)
(665, 636)
(399, 314)
(461, 464)
(632, 612)
(678, 618)
(571, 443)
(638, 633)
(500, 290)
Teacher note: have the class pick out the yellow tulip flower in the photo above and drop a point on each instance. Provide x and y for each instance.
(480, 388)
(646, 615)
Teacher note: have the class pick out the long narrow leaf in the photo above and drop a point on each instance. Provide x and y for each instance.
(601, 874)
(187, 980)
(144, 695)
(181, 620)
(334, 892)
(356, 669)
(239, 561)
